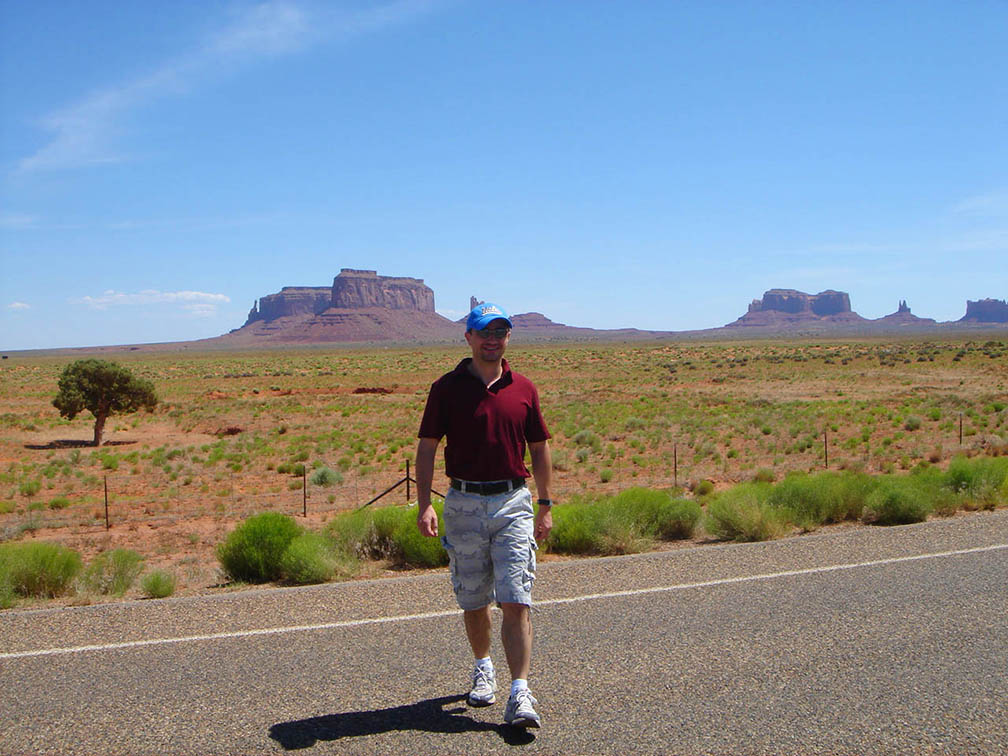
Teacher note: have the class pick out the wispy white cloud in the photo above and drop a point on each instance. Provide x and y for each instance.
(200, 310)
(992, 204)
(191, 223)
(83, 133)
(16, 221)
(199, 303)
(272, 28)
(983, 240)
(18, 306)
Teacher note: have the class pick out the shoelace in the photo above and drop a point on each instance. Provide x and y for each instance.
(480, 675)
(524, 696)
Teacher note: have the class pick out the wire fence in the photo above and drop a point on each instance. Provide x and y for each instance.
(114, 498)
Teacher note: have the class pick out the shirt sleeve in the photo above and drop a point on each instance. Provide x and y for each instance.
(535, 425)
(432, 424)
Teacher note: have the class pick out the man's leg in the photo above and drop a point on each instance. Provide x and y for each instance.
(484, 681)
(516, 636)
(477, 627)
(513, 553)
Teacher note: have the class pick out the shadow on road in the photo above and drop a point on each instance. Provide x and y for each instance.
(432, 715)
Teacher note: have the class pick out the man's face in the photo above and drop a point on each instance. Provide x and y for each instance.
(488, 345)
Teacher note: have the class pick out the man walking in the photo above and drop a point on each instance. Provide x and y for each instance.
(488, 413)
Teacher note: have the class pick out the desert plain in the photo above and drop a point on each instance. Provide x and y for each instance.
(234, 429)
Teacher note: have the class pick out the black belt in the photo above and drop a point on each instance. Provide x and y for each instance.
(485, 489)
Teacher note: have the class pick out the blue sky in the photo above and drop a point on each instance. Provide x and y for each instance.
(610, 164)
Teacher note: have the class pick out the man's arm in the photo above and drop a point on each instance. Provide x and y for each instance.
(542, 471)
(426, 516)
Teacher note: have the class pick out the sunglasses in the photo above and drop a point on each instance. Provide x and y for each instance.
(497, 333)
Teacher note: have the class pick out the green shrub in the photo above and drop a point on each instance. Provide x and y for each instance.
(960, 475)
(658, 515)
(253, 551)
(595, 527)
(744, 513)
(814, 500)
(763, 475)
(310, 558)
(112, 572)
(39, 569)
(29, 487)
(912, 423)
(6, 507)
(59, 502)
(7, 596)
(980, 483)
(703, 488)
(296, 469)
(945, 502)
(325, 477)
(396, 529)
(587, 438)
(898, 501)
(158, 584)
(389, 533)
(682, 519)
(351, 533)
(626, 523)
(575, 530)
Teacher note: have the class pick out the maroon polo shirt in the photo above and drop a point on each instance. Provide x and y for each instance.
(486, 428)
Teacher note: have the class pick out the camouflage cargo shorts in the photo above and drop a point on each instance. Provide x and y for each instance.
(490, 544)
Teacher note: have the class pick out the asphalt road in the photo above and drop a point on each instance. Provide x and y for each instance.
(855, 641)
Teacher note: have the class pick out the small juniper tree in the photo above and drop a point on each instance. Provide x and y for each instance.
(102, 388)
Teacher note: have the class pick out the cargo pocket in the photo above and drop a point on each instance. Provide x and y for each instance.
(452, 564)
(530, 568)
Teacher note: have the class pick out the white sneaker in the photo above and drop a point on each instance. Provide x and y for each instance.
(519, 711)
(484, 683)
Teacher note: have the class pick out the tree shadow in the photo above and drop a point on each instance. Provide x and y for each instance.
(431, 715)
(75, 444)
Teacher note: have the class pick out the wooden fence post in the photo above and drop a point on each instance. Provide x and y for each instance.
(675, 465)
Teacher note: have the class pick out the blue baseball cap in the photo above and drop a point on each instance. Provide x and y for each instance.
(484, 314)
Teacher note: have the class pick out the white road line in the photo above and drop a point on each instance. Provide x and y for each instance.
(452, 612)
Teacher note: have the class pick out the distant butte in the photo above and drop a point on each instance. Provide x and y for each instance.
(787, 307)
(359, 306)
(787, 311)
(904, 318)
(362, 306)
(986, 311)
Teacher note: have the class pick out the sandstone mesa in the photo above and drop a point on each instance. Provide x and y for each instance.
(362, 306)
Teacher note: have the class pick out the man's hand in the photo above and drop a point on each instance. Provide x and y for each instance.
(426, 516)
(543, 523)
(427, 521)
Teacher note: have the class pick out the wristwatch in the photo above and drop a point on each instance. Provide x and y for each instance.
(544, 502)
